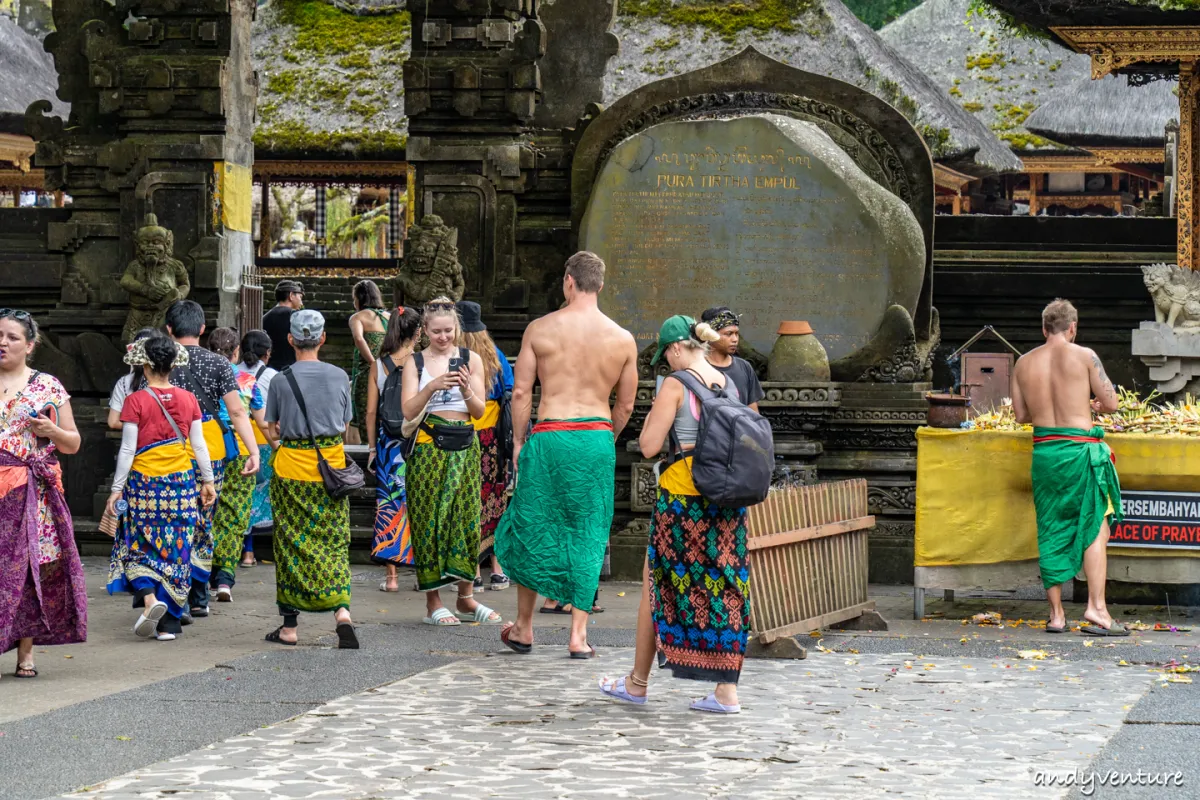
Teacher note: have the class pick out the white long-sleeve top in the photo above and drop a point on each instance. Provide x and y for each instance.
(129, 436)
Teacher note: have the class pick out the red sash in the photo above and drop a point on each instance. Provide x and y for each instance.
(567, 426)
(1083, 439)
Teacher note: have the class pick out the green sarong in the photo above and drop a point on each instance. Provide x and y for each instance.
(443, 511)
(231, 520)
(1075, 487)
(311, 540)
(553, 535)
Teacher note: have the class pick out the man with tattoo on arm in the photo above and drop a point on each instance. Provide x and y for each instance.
(1075, 488)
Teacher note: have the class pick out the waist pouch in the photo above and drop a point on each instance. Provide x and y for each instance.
(450, 438)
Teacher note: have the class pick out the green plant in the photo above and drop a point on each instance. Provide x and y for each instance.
(727, 20)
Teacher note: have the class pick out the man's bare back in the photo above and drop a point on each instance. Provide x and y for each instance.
(1053, 385)
(581, 356)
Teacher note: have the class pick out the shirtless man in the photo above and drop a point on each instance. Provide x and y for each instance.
(1075, 485)
(552, 538)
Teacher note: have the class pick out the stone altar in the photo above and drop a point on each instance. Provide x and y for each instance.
(762, 212)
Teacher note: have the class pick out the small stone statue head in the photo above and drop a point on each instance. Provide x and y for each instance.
(153, 243)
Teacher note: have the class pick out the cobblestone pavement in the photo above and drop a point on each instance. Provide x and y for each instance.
(835, 725)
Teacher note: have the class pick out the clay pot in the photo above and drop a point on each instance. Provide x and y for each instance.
(947, 410)
(798, 357)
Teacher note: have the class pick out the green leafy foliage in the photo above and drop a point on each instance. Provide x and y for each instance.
(877, 13)
(727, 20)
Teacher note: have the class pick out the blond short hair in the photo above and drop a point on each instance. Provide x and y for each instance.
(587, 269)
(1059, 316)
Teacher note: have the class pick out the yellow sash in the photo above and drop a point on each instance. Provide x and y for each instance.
(259, 438)
(214, 439)
(296, 464)
(490, 418)
(677, 478)
(164, 458)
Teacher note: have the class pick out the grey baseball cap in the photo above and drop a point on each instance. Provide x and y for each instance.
(307, 325)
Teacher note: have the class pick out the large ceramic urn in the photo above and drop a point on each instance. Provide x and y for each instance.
(798, 357)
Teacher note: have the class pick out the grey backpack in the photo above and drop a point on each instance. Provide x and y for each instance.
(735, 452)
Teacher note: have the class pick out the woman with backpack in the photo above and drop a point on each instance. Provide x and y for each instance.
(695, 604)
(443, 387)
(392, 544)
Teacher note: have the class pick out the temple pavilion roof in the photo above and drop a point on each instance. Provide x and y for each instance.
(1107, 113)
(659, 39)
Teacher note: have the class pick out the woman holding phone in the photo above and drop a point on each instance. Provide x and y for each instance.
(43, 597)
(444, 384)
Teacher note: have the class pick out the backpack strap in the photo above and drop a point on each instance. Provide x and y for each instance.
(259, 373)
(291, 379)
(210, 407)
(419, 361)
(388, 366)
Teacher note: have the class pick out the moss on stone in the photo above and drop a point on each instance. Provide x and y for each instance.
(662, 45)
(973, 107)
(359, 60)
(284, 83)
(293, 137)
(1023, 140)
(727, 20)
(364, 110)
(323, 29)
(955, 91)
(985, 61)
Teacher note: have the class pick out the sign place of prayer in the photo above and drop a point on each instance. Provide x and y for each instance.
(1158, 519)
(762, 213)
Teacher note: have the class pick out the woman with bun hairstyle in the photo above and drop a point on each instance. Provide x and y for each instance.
(698, 627)
(151, 556)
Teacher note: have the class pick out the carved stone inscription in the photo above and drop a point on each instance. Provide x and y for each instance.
(762, 213)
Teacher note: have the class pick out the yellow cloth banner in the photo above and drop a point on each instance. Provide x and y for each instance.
(301, 465)
(163, 459)
(975, 497)
(259, 438)
(214, 439)
(236, 187)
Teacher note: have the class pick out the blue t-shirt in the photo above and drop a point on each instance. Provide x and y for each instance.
(503, 382)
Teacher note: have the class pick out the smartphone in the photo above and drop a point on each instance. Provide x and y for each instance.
(455, 364)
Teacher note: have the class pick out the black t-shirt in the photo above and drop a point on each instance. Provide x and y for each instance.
(277, 323)
(212, 372)
(742, 374)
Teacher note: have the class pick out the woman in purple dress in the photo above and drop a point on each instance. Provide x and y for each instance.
(43, 598)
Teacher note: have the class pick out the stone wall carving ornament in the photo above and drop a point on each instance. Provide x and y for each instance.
(1176, 295)
(154, 279)
(431, 267)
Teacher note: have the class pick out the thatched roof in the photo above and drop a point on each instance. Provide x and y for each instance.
(26, 74)
(1107, 113)
(330, 79)
(1042, 14)
(998, 77)
(660, 39)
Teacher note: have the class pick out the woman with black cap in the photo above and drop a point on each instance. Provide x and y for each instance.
(498, 377)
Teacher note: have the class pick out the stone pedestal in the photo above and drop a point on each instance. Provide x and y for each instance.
(1172, 355)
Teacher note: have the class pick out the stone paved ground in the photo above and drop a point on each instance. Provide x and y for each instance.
(835, 725)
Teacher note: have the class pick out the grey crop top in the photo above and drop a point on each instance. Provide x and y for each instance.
(687, 417)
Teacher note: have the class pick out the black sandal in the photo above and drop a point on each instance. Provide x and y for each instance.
(346, 638)
(558, 609)
(26, 667)
(273, 636)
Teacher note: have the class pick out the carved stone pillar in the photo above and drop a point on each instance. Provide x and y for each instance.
(162, 111)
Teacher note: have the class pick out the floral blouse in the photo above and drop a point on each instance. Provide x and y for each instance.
(17, 438)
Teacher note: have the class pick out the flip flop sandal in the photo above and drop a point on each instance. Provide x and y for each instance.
(383, 588)
(589, 653)
(597, 609)
(442, 618)
(251, 565)
(516, 647)
(273, 636)
(25, 668)
(1055, 628)
(482, 615)
(616, 690)
(1116, 629)
(147, 623)
(713, 706)
(346, 638)
(558, 609)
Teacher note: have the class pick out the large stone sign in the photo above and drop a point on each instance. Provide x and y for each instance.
(763, 213)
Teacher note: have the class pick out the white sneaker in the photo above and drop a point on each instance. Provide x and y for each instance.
(224, 594)
(165, 637)
(147, 623)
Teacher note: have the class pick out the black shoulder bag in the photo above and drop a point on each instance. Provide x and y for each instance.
(338, 482)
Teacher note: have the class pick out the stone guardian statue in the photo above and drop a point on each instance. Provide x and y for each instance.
(154, 279)
(431, 267)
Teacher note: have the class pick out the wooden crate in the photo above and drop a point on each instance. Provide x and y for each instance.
(808, 558)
